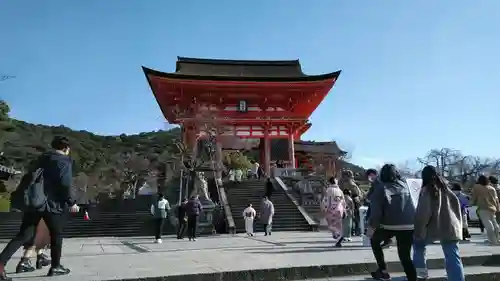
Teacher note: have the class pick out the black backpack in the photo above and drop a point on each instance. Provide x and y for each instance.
(30, 193)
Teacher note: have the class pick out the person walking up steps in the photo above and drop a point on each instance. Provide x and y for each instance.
(348, 215)
(255, 169)
(266, 215)
(182, 219)
(193, 211)
(496, 186)
(392, 215)
(269, 188)
(372, 176)
(484, 196)
(333, 206)
(47, 194)
(160, 211)
(464, 203)
(347, 182)
(438, 218)
(249, 216)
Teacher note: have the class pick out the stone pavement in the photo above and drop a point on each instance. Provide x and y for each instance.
(139, 258)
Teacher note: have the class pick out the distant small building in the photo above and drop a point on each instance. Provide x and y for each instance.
(311, 154)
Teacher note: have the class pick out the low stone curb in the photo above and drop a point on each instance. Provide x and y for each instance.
(473, 277)
(323, 271)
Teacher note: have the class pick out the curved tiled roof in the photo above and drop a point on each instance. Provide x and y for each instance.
(239, 70)
(244, 68)
(318, 147)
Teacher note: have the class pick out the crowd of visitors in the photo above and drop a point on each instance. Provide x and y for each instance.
(439, 214)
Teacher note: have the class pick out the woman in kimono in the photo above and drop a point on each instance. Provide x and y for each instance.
(333, 206)
(249, 216)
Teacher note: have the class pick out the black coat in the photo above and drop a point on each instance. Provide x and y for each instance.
(269, 188)
(57, 180)
(193, 207)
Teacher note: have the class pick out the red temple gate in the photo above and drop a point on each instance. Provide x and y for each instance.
(244, 99)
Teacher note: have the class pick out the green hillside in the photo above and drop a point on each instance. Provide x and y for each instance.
(100, 161)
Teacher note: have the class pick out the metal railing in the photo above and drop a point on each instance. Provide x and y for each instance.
(289, 172)
(227, 210)
(310, 220)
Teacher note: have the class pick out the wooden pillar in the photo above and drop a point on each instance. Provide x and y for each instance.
(267, 152)
(218, 159)
(291, 149)
(194, 136)
(189, 138)
(261, 153)
(334, 165)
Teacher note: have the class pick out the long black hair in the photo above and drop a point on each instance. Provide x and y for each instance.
(483, 180)
(389, 174)
(159, 196)
(456, 186)
(432, 180)
(332, 180)
(493, 180)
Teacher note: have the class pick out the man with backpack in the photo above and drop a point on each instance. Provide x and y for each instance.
(44, 193)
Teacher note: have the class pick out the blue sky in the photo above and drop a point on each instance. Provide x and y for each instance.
(417, 74)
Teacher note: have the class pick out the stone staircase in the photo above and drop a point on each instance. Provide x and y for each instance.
(287, 217)
(110, 218)
(101, 224)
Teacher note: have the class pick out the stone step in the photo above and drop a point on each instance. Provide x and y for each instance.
(472, 273)
(277, 211)
(282, 217)
(277, 207)
(258, 201)
(477, 268)
(99, 225)
(287, 216)
(244, 203)
(84, 231)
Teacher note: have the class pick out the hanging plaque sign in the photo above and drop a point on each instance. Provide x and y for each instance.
(242, 106)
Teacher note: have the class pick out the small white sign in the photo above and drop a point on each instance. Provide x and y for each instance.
(415, 186)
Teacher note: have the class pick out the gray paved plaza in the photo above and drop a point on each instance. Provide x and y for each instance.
(128, 258)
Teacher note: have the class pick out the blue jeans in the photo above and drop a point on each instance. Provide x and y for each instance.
(347, 227)
(453, 262)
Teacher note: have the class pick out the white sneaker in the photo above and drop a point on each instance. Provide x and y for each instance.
(158, 241)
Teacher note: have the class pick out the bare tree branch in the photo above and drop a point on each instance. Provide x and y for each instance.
(455, 166)
(6, 77)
